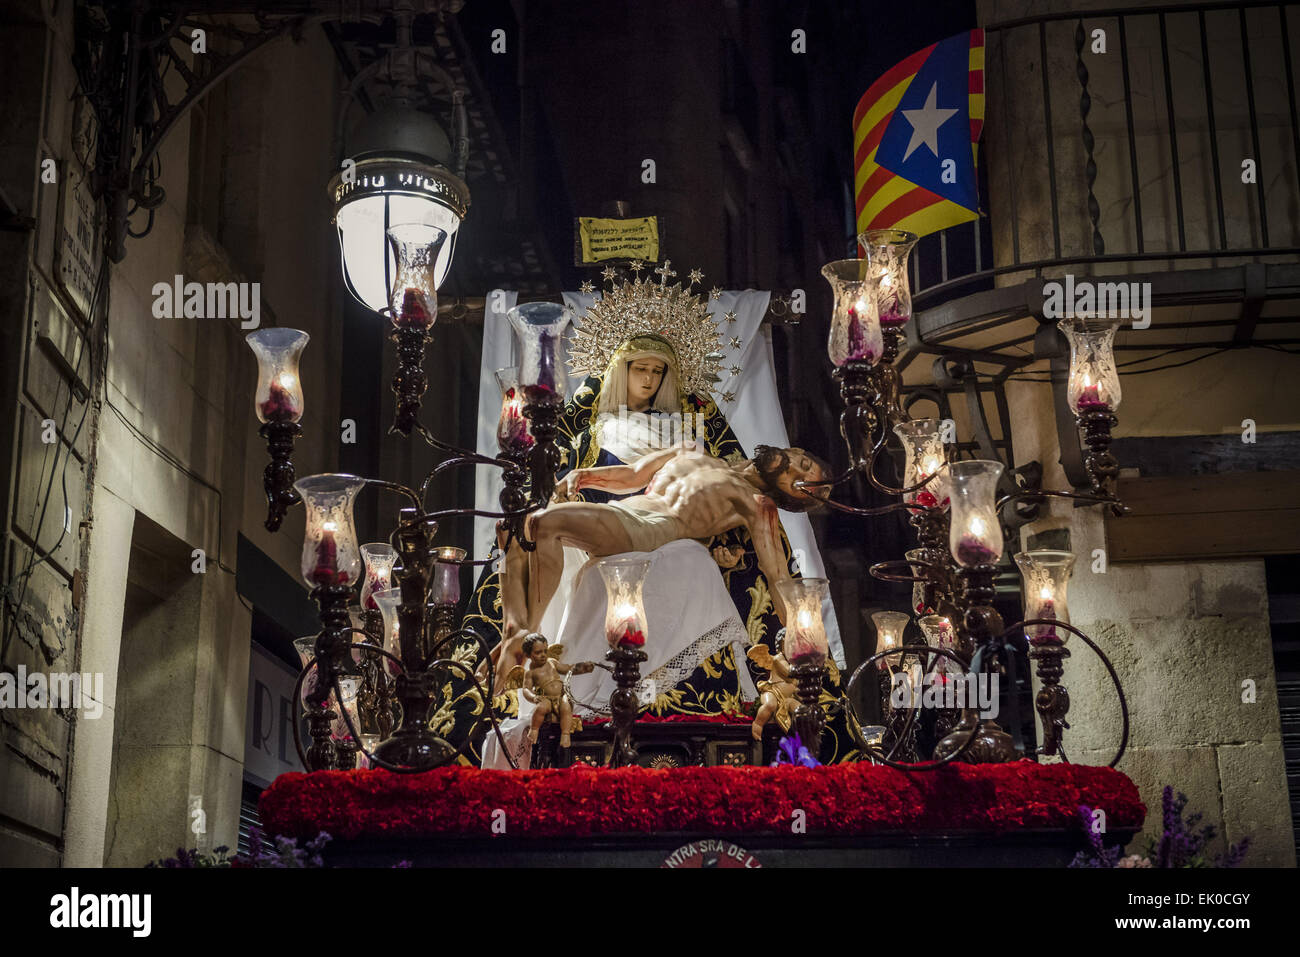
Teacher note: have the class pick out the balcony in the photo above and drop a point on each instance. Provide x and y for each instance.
(1129, 164)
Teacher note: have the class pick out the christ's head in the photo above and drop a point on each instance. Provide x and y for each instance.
(780, 469)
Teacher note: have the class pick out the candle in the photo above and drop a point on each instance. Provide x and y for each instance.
(972, 550)
(887, 643)
(326, 571)
(801, 640)
(1089, 398)
(512, 428)
(280, 404)
(627, 631)
(414, 312)
(894, 314)
(1046, 609)
(858, 345)
(546, 362)
(376, 583)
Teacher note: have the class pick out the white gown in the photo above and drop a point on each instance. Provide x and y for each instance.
(689, 615)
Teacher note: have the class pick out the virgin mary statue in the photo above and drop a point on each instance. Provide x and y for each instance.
(650, 354)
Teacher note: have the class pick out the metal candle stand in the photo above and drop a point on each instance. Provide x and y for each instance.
(278, 478)
(623, 703)
(981, 626)
(1052, 701)
(1103, 468)
(410, 381)
(808, 718)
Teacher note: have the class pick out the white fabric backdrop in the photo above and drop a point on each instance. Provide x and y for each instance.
(754, 411)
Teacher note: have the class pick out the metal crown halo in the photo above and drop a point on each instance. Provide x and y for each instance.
(646, 307)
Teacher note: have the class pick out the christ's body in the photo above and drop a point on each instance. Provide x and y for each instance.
(687, 494)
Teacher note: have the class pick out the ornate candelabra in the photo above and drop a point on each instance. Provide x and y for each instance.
(958, 546)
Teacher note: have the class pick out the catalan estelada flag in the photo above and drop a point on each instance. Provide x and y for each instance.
(915, 134)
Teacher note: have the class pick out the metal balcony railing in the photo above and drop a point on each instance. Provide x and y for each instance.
(1147, 166)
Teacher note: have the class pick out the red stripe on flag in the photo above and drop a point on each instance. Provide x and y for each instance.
(871, 140)
(907, 204)
(895, 75)
(977, 81)
(879, 177)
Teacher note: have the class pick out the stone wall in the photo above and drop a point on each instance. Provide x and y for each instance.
(169, 460)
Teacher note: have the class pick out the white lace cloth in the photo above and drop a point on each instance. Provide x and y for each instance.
(689, 617)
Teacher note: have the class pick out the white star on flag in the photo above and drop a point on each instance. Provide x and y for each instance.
(926, 122)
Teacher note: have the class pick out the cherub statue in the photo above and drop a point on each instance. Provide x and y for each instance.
(542, 682)
(776, 695)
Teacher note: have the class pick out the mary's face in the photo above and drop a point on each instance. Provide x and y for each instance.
(643, 379)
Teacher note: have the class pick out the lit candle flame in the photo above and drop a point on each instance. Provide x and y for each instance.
(1045, 593)
(625, 610)
(287, 381)
(977, 527)
(805, 618)
(329, 526)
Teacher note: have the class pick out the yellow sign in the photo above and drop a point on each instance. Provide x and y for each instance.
(603, 239)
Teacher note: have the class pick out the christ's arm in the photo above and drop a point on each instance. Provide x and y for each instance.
(765, 530)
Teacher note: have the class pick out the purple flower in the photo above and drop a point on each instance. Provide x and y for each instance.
(790, 750)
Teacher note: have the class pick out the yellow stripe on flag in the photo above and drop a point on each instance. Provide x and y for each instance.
(878, 111)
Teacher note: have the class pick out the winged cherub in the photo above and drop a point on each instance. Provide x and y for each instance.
(543, 684)
(776, 695)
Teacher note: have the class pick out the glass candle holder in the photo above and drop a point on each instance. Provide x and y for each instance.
(805, 632)
(975, 537)
(338, 727)
(890, 249)
(1094, 380)
(330, 553)
(939, 632)
(388, 602)
(445, 587)
(379, 558)
(513, 433)
(855, 319)
(890, 626)
(1045, 575)
(306, 648)
(539, 327)
(413, 292)
(920, 600)
(924, 455)
(625, 622)
(279, 387)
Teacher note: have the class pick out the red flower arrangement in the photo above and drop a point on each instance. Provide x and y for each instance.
(581, 801)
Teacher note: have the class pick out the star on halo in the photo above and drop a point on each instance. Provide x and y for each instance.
(587, 287)
(609, 272)
(715, 293)
(696, 276)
